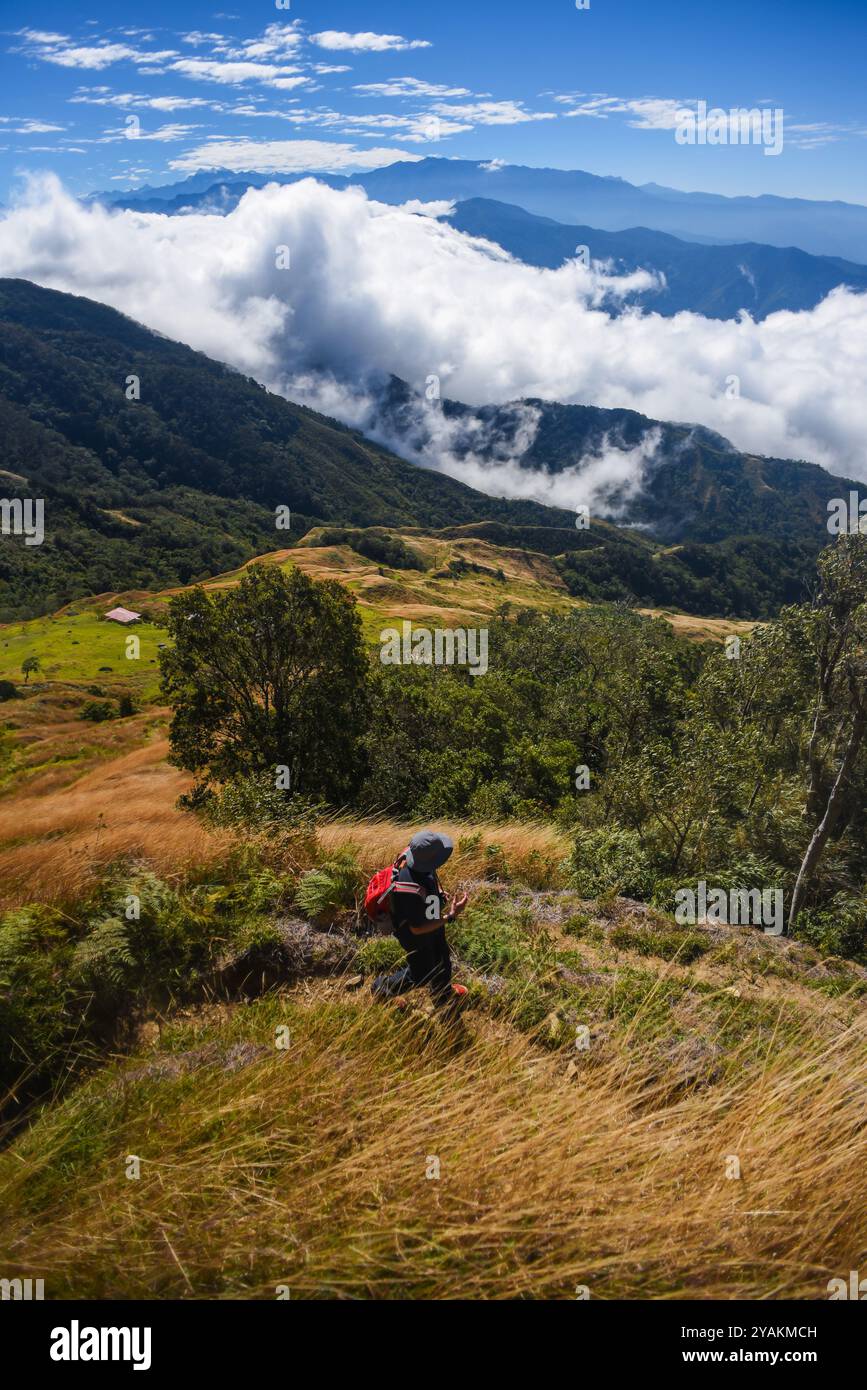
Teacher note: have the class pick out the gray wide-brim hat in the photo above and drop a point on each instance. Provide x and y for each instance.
(428, 850)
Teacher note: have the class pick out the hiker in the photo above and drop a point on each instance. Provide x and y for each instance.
(416, 901)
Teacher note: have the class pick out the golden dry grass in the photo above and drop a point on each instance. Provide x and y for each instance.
(54, 845)
(83, 795)
(530, 851)
(57, 837)
(310, 1168)
(702, 629)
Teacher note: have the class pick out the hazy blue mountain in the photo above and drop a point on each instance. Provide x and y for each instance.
(716, 281)
(573, 196)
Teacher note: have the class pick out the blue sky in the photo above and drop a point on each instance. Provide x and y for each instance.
(336, 85)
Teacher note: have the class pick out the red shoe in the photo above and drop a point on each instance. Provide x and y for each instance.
(458, 998)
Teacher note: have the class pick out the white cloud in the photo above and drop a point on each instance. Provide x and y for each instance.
(101, 96)
(606, 480)
(287, 84)
(285, 156)
(164, 133)
(443, 207)
(175, 103)
(410, 87)
(231, 73)
(492, 112)
(376, 289)
(422, 129)
(96, 57)
(41, 36)
(101, 56)
(277, 38)
(365, 42)
(663, 113)
(196, 38)
(17, 125)
(649, 113)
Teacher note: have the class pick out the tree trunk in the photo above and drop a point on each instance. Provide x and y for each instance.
(833, 810)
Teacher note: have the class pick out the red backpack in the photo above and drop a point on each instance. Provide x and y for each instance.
(377, 897)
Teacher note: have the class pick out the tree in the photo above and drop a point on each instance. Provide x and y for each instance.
(271, 674)
(29, 666)
(836, 634)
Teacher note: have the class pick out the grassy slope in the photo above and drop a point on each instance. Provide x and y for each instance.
(558, 1167)
(606, 1167)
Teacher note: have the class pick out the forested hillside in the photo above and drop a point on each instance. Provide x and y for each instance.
(184, 481)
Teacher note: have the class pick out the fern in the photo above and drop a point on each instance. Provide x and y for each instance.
(335, 884)
(105, 958)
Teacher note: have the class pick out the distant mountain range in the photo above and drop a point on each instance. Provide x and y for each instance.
(183, 482)
(716, 281)
(569, 196)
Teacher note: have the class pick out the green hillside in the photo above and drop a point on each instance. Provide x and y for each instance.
(184, 482)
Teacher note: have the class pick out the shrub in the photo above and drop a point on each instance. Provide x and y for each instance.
(150, 952)
(489, 939)
(8, 690)
(333, 886)
(379, 954)
(106, 960)
(609, 860)
(744, 873)
(839, 930)
(675, 944)
(254, 801)
(34, 1018)
(383, 549)
(97, 711)
(578, 924)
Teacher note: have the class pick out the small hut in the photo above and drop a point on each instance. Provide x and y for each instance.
(123, 615)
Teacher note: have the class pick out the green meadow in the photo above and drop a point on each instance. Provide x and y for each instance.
(81, 646)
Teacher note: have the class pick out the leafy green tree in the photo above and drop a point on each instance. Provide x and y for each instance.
(834, 633)
(29, 666)
(270, 674)
(682, 793)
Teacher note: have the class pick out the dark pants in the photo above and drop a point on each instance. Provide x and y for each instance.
(428, 962)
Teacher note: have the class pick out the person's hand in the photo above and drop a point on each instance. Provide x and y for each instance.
(458, 905)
